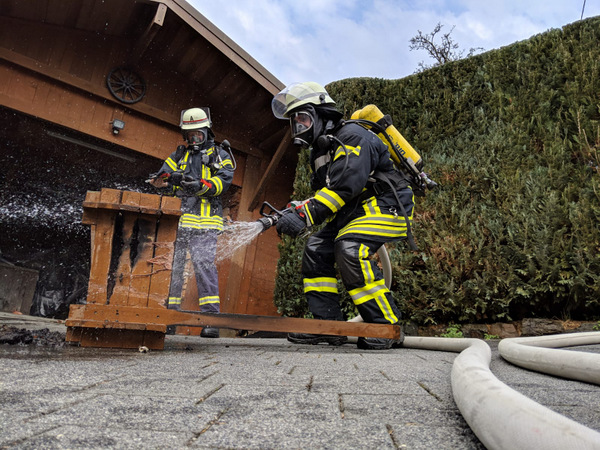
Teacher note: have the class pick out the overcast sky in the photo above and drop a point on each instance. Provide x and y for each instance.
(329, 40)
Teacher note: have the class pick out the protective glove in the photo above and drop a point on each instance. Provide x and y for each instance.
(291, 224)
(195, 187)
(296, 219)
(176, 178)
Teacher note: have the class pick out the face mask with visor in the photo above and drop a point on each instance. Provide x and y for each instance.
(302, 128)
(196, 137)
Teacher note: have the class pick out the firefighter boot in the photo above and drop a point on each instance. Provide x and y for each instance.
(208, 332)
(379, 343)
(307, 338)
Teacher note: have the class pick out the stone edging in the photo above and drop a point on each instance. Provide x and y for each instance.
(525, 327)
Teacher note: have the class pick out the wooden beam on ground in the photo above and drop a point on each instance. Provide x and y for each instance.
(109, 316)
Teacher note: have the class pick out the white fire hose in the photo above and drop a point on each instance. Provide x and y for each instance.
(501, 417)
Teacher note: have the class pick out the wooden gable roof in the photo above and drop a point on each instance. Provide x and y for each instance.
(182, 58)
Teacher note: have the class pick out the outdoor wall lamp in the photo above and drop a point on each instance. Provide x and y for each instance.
(117, 126)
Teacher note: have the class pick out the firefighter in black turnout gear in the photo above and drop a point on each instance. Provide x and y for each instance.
(199, 174)
(365, 201)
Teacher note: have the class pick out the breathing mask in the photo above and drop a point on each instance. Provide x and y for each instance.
(306, 126)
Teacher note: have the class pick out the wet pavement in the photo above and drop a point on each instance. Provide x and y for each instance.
(249, 393)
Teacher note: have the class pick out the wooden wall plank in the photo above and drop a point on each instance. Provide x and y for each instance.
(122, 274)
(232, 299)
(162, 261)
(100, 260)
(141, 270)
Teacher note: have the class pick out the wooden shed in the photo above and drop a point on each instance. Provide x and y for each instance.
(70, 70)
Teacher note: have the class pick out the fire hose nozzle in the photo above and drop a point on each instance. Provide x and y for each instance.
(270, 215)
(267, 222)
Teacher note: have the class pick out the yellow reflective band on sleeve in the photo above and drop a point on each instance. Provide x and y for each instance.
(217, 183)
(172, 164)
(341, 151)
(375, 291)
(330, 199)
(321, 284)
(209, 299)
(227, 162)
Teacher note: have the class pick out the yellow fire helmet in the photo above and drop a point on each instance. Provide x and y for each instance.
(299, 94)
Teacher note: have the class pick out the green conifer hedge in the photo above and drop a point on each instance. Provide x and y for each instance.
(513, 138)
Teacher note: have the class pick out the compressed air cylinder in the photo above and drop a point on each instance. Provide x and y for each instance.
(372, 113)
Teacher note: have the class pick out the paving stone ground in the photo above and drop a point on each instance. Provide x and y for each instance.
(249, 393)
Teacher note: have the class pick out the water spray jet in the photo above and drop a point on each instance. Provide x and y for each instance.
(239, 234)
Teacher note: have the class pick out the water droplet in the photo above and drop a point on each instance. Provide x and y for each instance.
(235, 236)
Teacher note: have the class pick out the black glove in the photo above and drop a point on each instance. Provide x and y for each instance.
(176, 178)
(191, 186)
(291, 224)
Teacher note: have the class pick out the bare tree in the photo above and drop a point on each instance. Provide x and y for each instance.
(444, 51)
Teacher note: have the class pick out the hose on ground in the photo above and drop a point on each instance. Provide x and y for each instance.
(501, 417)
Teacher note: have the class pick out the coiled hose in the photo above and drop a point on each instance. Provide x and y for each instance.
(501, 417)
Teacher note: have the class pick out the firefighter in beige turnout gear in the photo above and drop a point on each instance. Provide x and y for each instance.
(365, 201)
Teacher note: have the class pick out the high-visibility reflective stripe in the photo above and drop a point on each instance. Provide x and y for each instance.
(174, 300)
(384, 219)
(330, 199)
(199, 222)
(183, 163)
(205, 172)
(365, 264)
(321, 161)
(341, 151)
(204, 207)
(374, 291)
(227, 162)
(320, 284)
(209, 299)
(367, 292)
(375, 230)
(218, 184)
(370, 207)
(306, 210)
(192, 218)
(378, 225)
(387, 310)
(172, 164)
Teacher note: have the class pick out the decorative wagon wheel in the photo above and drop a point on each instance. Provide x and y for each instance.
(126, 85)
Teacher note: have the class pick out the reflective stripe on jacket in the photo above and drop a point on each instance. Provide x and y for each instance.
(201, 211)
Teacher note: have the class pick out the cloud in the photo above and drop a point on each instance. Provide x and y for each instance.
(330, 40)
